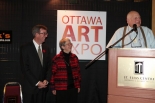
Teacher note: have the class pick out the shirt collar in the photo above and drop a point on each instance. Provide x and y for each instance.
(36, 45)
(129, 28)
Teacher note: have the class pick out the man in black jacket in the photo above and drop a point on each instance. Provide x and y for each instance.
(36, 66)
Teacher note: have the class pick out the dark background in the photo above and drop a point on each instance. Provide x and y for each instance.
(21, 15)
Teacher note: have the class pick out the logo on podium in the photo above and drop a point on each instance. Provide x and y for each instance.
(139, 67)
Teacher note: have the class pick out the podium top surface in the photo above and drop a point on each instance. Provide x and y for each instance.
(133, 48)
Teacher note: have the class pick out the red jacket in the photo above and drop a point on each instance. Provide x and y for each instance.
(59, 72)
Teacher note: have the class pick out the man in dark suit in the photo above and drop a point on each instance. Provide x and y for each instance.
(35, 61)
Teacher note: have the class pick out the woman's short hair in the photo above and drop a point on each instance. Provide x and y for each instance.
(62, 42)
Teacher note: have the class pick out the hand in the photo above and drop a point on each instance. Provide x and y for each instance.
(41, 85)
(45, 82)
(54, 92)
(78, 90)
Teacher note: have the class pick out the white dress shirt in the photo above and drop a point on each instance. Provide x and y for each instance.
(137, 43)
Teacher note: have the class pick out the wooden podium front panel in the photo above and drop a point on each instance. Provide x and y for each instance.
(123, 94)
(123, 99)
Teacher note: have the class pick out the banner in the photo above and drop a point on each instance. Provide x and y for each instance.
(5, 36)
(85, 29)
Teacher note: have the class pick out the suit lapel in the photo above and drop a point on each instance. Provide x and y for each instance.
(44, 53)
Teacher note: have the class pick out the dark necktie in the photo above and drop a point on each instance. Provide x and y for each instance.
(40, 55)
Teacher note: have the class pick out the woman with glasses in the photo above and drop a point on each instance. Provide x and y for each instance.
(66, 78)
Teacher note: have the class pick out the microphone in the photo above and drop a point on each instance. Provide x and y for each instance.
(111, 46)
(135, 28)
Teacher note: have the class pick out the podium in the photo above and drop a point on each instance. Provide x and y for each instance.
(131, 75)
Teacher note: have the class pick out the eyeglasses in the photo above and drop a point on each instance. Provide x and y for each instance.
(44, 33)
(69, 44)
(136, 43)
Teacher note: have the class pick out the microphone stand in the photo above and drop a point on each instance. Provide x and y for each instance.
(104, 52)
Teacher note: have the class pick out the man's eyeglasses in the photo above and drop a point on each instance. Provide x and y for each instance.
(44, 33)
